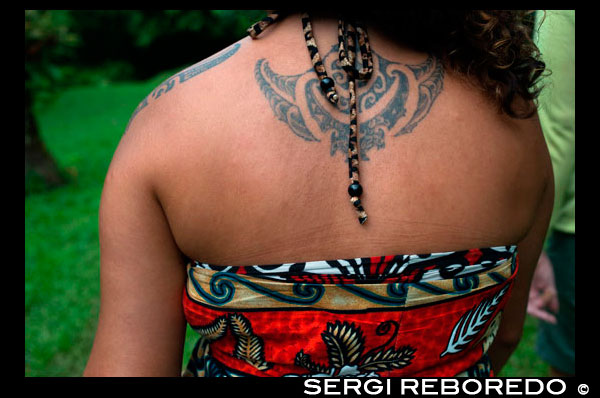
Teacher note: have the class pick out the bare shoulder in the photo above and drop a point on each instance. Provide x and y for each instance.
(175, 91)
(529, 168)
(174, 109)
(520, 140)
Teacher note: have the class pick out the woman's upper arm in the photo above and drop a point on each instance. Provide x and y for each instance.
(141, 328)
(529, 250)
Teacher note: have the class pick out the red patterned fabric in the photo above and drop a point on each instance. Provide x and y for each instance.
(379, 316)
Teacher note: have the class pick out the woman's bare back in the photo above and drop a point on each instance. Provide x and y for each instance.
(240, 160)
(249, 158)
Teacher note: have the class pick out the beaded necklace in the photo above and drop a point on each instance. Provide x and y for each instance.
(348, 33)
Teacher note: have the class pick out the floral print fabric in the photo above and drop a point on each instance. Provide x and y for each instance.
(405, 315)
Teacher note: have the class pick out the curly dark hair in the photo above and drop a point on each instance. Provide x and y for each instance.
(491, 48)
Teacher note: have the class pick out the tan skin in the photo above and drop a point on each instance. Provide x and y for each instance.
(207, 172)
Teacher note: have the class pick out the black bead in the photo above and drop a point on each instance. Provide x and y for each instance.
(327, 84)
(356, 203)
(355, 189)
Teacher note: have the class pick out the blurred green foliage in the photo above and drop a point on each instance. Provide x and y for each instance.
(74, 47)
(49, 45)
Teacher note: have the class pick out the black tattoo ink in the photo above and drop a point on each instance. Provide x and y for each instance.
(285, 110)
(393, 82)
(184, 76)
(428, 90)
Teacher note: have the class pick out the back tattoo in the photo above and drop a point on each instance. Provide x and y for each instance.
(407, 92)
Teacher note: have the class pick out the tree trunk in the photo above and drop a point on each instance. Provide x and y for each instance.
(37, 158)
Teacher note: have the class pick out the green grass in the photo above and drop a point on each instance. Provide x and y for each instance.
(81, 129)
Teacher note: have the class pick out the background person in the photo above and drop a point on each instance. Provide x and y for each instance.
(552, 296)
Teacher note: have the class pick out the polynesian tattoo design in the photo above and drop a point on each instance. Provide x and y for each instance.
(184, 76)
(407, 91)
